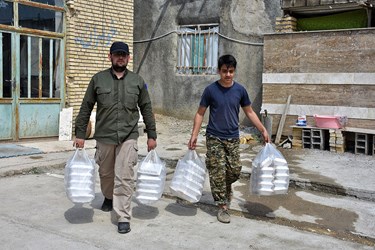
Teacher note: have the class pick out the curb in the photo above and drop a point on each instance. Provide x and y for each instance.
(333, 189)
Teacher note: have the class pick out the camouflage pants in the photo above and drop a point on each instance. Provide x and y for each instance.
(224, 167)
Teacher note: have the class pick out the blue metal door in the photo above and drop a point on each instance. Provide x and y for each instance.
(31, 69)
(6, 85)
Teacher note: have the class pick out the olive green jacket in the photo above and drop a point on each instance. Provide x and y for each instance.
(117, 112)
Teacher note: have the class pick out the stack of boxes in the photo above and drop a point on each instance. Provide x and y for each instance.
(286, 24)
(151, 176)
(269, 173)
(79, 177)
(297, 137)
(336, 141)
(189, 177)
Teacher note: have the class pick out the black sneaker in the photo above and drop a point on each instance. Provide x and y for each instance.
(107, 205)
(123, 227)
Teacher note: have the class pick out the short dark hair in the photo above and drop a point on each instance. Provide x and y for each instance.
(227, 60)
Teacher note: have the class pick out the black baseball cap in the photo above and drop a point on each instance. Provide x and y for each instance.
(119, 47)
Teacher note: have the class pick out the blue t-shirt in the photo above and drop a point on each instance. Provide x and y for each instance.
(224, 104)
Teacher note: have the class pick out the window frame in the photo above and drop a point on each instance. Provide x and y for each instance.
(197, 49)
(15, 25)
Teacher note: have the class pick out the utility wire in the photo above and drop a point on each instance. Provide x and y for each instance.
(239, 41)
(179, 32)
(156, 38)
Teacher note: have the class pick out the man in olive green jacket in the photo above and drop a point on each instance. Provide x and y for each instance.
(118, 94)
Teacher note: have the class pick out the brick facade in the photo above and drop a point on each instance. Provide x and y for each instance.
(91, 28)
(325, 73)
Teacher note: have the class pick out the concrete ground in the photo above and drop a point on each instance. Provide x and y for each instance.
(35, 214)
(330, 201)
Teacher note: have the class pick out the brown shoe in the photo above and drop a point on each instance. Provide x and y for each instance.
(223, 215)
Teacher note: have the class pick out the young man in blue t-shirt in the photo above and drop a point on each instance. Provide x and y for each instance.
(224, 97)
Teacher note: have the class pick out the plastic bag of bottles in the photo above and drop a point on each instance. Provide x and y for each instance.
(189, 176)
(150, 179)
(79, 177)
(270, 172)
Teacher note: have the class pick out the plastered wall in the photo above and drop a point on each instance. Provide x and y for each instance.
(179, 95)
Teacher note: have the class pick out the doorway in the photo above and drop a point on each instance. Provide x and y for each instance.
(31, 69)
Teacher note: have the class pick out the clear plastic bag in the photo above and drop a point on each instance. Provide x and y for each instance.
(189, 177)
(79, 177)
(270, 172)
(151, 176)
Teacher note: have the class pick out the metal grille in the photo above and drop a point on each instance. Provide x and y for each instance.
(198, 49)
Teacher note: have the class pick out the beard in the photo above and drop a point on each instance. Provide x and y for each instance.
(118, 68)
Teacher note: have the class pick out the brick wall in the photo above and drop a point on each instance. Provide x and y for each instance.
(320, 52)
(305, 3)
(325, 72)
(92, 26)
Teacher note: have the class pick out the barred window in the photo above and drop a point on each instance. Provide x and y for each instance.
(198, 49)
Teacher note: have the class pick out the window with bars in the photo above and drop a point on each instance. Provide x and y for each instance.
(198, 49)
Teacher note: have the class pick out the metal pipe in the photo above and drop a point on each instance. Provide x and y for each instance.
(28, 67)
(179, 41)
(50, 68)
(208, 63)
(1, 65)
(28, 31)
(40, 5)
(203, 25)
(185, 50)
(195, 49)
(199, 49)
(40, 93)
